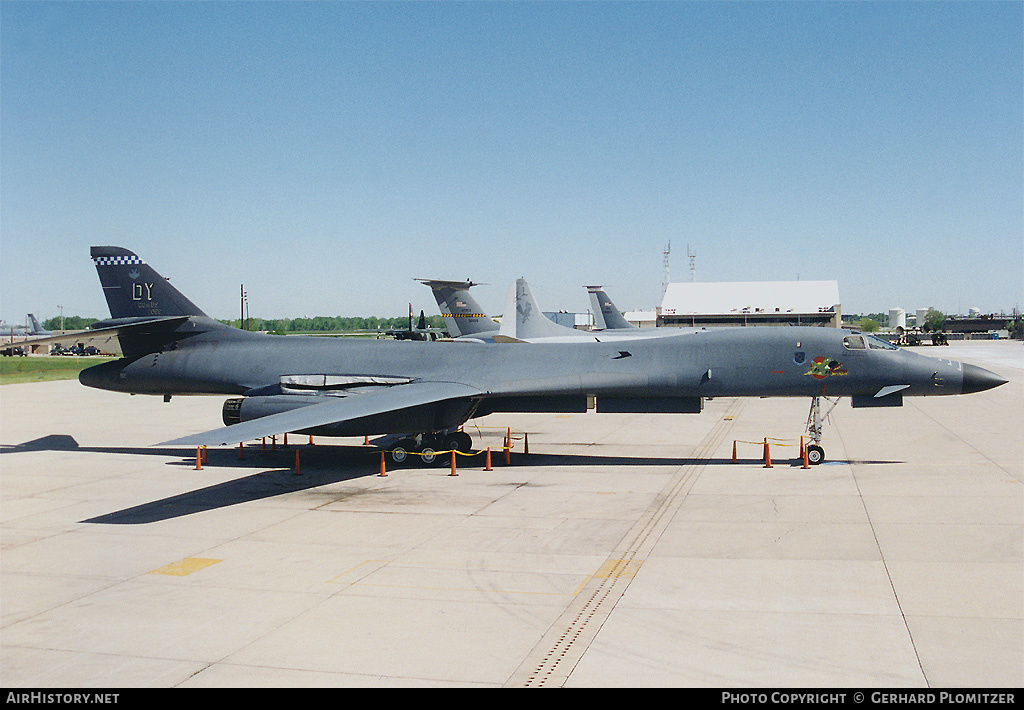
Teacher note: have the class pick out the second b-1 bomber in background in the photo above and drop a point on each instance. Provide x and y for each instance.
(425, 391)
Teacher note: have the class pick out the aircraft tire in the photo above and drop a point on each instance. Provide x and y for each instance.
(459, 441)
(815, 455)
(402, 449)
(429, 456)
(399, 453)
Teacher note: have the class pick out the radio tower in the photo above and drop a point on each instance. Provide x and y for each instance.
(693, 263)
(664, 278)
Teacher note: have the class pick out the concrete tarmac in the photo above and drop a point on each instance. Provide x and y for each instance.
(623, 550)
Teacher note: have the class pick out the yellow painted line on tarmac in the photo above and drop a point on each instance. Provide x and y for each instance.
(582, 585)
(616, 569)
(478, 590)
(352, 569)
(611, 569)
(185, 567)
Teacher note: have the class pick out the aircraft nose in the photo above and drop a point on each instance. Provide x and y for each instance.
(977, 379)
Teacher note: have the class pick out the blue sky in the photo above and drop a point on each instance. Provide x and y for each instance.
(326, 154)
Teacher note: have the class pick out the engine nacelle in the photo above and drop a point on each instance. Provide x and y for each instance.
(244, 409)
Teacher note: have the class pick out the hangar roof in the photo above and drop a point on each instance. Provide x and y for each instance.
(697, 298)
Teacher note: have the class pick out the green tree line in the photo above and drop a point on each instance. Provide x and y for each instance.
(331, 324)
(70, 323)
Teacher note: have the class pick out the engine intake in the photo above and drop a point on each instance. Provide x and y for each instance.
(232, 412)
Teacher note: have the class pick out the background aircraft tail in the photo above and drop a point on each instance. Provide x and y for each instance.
(134, 290)
(607, 316)
(523, 319)
(462, 314)
(33, 326)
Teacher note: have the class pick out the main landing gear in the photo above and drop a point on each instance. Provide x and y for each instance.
(815, 419)
(428, 447)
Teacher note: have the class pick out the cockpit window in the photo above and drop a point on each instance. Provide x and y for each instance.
(854, 342)
(879, 344)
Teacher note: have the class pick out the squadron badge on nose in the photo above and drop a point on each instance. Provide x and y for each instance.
(822, 367)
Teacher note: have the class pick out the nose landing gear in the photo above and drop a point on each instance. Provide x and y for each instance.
(815, 419)
(815, 454)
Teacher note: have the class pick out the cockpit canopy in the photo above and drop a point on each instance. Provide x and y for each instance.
(864, 342)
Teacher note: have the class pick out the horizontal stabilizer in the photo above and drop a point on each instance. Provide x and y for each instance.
(331, 411)
(499, 338)
(142, 327)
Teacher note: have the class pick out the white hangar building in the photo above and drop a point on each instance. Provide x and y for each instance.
(698, 304)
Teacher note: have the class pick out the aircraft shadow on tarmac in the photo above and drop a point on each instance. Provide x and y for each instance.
(323, 465)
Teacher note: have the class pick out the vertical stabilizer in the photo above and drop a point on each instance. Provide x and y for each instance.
(523, 319)
(462, 314)
(607, 316)
(134, 290)
(33, 326)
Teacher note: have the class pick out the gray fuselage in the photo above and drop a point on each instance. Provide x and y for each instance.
(784, 361)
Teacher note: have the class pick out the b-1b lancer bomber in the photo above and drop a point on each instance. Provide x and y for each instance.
(427, 390)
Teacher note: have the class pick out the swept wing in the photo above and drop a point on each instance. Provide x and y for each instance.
(333, 410)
